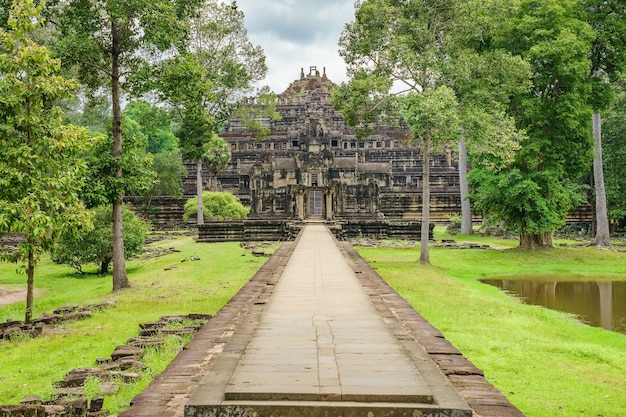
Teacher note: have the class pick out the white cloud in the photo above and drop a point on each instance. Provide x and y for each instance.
(298, 34)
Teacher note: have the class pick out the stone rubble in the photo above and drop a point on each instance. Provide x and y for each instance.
(124, 366)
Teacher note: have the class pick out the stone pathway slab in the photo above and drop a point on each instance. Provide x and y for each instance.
(320, 342)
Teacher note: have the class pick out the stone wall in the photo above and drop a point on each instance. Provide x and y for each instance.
(247, 230)
(281, 230)
(164, 213)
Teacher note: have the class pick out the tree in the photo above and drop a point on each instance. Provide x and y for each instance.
(399, 42)
(218, 205)
(608, 61)
(169, 171)
(257, 113)
(94, 245)
(433, 120)
(614, 144)
(484, 77)
(426, 48)
(155, 123)
(162, 145)
(205, 81)
(103, 187)
(216, 156)
(40, 174)
(544, 178)
(111, 43)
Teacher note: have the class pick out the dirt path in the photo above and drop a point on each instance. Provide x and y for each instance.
(10, 295)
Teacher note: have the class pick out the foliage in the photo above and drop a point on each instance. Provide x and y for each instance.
(555, 113)
(219, 205)
(608, 51)
(258, 116)
(94, 246)
(94, 114)
(111, 45)
(528, 202)
(216, 154)
(432, 114)
(169, 171)
(155, 124)
(535, 191)
(206, 80)
(93, 35)
(103, 187)
(40, 173)
(614, 144)
(5, 9)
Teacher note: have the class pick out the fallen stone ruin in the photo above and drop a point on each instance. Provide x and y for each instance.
(12, 329)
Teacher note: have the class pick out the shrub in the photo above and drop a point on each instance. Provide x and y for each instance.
(218, 205)
(95, 246)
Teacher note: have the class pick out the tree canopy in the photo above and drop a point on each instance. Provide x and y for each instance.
(206, 80)
(535, 192)
(111, 45)
(216, 156)
(424, 61)
(40, 172)
(94, 245)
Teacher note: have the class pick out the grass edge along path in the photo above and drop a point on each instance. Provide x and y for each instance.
(545, 362)
(197, 278)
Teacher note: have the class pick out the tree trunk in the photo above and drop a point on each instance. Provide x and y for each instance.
(425, 235)
(602, 237)
(104, 266)
(535, 240)
(30, 280)
(466, 209)
(199, 190)
(120, 279)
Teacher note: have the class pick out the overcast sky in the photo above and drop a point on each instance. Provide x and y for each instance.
(298, 34)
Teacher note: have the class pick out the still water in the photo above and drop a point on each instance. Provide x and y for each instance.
(600, 304)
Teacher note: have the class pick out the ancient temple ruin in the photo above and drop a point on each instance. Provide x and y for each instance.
(311, 165)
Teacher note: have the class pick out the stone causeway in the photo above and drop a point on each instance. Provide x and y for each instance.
(317, 332)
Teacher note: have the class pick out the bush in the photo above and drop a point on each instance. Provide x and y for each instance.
(218, 205)
(95, 246)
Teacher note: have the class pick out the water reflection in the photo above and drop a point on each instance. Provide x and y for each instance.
(600, 304)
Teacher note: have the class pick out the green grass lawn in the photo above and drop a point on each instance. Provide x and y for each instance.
(30, 366)
(547, 363)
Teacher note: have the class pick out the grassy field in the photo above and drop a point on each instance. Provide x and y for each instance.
(29, 366)
(545, 362)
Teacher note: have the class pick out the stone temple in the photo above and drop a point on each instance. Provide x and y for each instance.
(311, 165)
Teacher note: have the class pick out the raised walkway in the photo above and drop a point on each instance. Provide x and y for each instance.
(317, 332)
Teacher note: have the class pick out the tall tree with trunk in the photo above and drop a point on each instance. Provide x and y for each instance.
(534, 194)
(484, 78)
(40, 174)
(453, 83)
(614, 145)
(216, 156)
(401, 42)
(111, 43)
(608, 61)
(206, 80)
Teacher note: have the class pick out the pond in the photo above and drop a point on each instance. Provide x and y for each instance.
(597, 303)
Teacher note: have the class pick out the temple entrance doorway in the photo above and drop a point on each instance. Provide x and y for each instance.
(315, 203)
